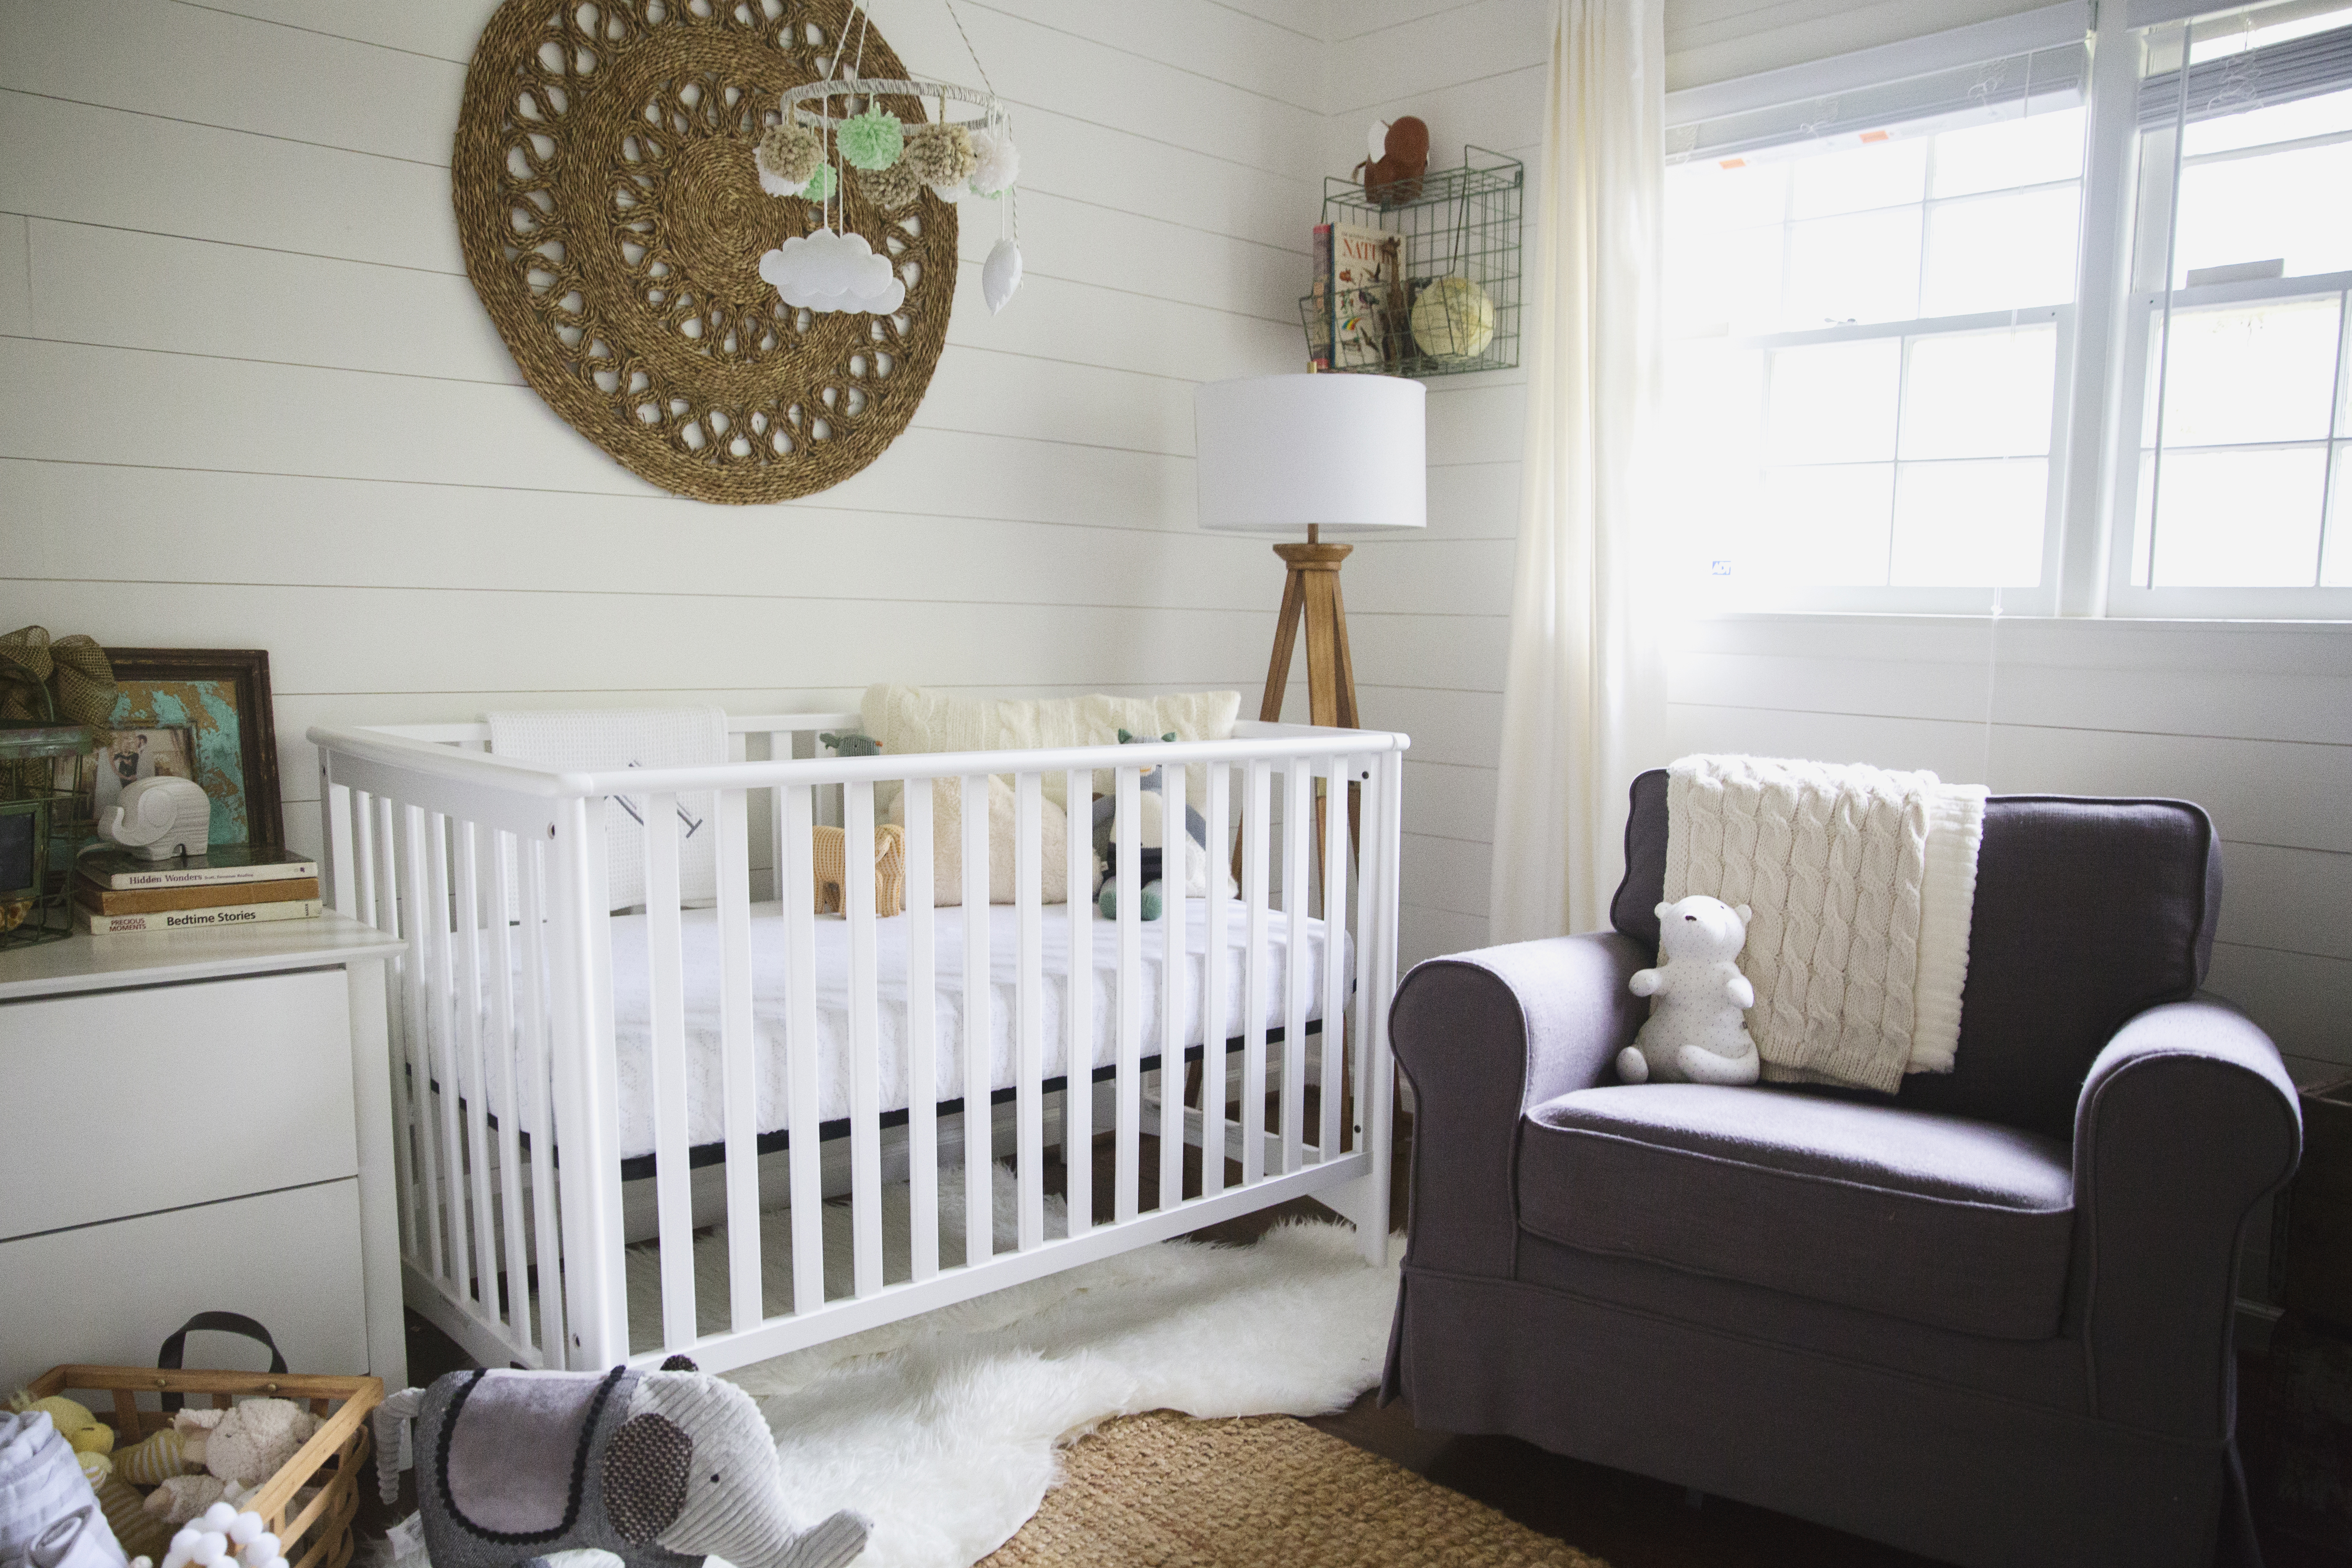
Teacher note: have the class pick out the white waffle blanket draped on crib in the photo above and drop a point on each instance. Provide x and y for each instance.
(705, 1073)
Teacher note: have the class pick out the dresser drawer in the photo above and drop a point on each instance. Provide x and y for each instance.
(115, 1103)
(109, 1293)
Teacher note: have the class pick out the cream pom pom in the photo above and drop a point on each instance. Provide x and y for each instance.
(893, 187)
(789, 156)
(940, 155)
(996, 162)
(872, 139)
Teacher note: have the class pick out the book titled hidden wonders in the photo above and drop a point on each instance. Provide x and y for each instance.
(120, 868)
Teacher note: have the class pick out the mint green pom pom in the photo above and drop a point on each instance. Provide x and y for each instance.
(822, 184)
(872, 139)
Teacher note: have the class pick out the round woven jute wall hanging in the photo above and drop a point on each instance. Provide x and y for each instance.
(613, 223)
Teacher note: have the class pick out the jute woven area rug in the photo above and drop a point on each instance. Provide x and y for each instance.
(1164, 1491)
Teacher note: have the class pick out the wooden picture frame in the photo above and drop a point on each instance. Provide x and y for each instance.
(220, 696)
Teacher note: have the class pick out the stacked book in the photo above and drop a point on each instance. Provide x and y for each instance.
(117, 892)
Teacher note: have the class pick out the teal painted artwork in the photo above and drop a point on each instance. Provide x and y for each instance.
(202, 714)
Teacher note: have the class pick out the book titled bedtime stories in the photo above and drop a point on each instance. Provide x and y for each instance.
(98, 924)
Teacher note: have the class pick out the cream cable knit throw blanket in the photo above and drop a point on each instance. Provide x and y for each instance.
(1861, 882)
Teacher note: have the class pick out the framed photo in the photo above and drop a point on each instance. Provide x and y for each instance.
(194, 713)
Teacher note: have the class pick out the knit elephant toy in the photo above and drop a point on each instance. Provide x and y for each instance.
(1695, 1033)
(660, 1468)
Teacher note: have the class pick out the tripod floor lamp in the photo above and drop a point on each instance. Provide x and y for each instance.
(1312, 454)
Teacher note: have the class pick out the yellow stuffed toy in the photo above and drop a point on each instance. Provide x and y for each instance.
(83, 1432)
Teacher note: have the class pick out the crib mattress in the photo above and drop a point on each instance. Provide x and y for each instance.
(705, 1073)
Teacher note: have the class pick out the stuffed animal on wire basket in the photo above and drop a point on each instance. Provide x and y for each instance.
(660, 1468)
(1695, 1033)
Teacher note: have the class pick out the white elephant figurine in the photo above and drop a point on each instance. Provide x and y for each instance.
(660, 1468)
(160, 818)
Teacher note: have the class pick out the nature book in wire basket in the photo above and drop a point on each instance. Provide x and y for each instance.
(1365, 293)
(122, 869)
(198, 920)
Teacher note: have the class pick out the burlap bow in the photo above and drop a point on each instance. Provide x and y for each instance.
(69, 679)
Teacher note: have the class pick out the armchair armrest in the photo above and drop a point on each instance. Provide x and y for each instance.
(1483, 1037)
(2187, 1120)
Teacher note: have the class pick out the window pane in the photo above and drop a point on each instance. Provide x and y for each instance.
(1824, 527)
(2318, 116)
(1728, 193)
(1966, 525)
(1980, 394)
(1879, 174)
(2246, 373)
(1833, 403)
(2031, 151)
(1726, 282)
(2239, 520)
(1861, 269)
(1998, 253)
(2285, 205)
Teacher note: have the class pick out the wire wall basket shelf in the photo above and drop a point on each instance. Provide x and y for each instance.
(1445, 300)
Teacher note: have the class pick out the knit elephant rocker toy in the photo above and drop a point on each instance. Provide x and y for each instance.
(660, 1468)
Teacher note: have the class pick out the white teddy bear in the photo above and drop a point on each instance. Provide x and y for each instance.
(1695, 1033)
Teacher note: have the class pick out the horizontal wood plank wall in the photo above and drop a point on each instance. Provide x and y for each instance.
(256, 402)
(2252, 721)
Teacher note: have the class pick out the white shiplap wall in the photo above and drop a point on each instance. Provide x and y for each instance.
(2254, 721)
(253, 402)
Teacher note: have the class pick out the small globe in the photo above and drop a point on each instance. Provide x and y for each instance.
(1453, 319)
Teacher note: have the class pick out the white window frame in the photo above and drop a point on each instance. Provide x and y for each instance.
(1921, 601)
(2098, 389)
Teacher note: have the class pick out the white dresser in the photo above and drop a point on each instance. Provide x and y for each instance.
(194, 1121)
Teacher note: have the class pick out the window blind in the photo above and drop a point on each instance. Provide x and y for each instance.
(2274, 74)
(2033, 82)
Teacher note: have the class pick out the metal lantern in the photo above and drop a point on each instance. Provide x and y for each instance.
(35, 899)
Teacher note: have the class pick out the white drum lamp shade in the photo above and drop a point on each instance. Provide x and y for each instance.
(1280, 454)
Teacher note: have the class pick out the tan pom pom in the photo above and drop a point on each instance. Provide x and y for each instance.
(940, 155)
(791, 153)
(890, 188)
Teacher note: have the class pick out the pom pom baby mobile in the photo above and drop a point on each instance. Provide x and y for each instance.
(814, 151)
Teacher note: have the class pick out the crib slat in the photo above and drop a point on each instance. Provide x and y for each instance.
(339, 884)
(1079, 1009)
(864, 1041)
(738, 1073)
(666, 1004)
(1029, 991)
(1253, 971)
(979, 1002)
(796, 887)
(448, 1133)
(1216, 975)
(406, 1076)
(498, 849)
(1330, 1076)
(530, 873)
(1175, 861)
(468, 900)
(361, 881)
(1298, 895)
(922, 1036)
(586, 1086)
(1128, 833)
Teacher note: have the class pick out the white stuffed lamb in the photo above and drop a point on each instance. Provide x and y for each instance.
(1695, 1033)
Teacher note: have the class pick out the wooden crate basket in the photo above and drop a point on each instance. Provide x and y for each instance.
(318, 1535)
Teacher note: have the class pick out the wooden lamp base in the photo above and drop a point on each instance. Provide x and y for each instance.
(1310, 591)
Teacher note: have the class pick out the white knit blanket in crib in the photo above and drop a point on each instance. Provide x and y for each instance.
(1859, 884)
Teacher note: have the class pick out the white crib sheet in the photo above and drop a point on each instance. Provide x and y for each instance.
(705, 1070)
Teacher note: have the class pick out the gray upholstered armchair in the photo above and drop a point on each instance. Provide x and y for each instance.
(1987, 1320)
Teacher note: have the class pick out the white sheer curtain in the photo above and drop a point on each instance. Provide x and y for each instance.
(1582, 707)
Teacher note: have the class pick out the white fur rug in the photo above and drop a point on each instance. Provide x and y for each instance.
(942, 1429)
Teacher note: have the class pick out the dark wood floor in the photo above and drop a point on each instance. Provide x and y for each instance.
(1632, 1522)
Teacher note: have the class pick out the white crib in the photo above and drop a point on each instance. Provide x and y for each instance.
(529, 1222)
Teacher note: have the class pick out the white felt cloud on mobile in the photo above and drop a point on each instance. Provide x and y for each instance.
(829, 271)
